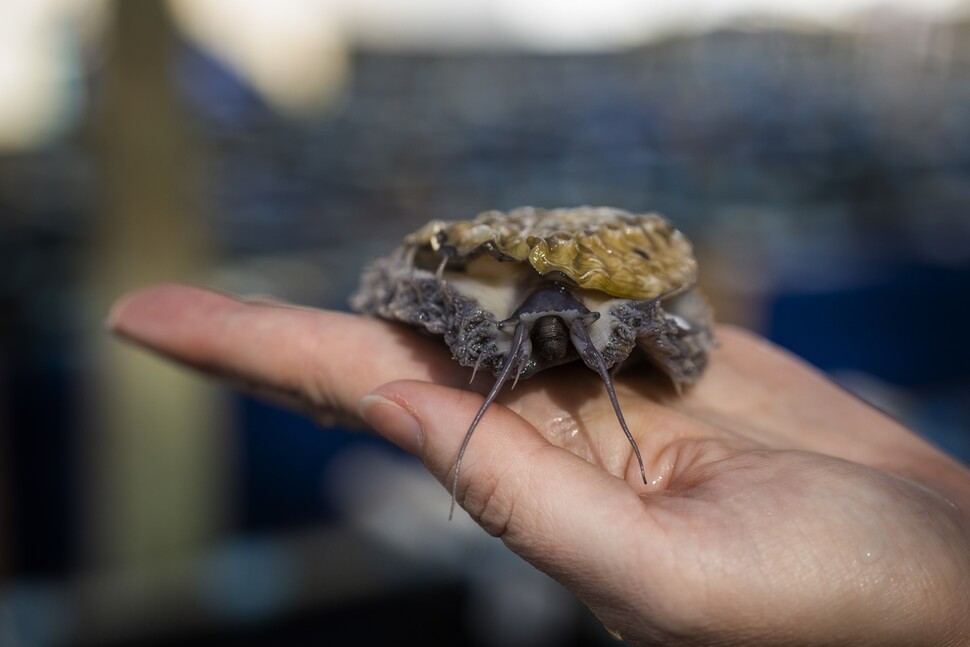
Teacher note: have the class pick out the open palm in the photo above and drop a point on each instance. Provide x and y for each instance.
(778, 509)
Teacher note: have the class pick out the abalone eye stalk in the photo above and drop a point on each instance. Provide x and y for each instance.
(518, 339)
(594, 360)
(551, 343)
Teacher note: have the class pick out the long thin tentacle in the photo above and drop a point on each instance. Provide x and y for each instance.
(594, 360)
(523, 360)
(521, 334)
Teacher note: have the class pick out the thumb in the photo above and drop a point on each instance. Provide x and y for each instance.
(548, 505)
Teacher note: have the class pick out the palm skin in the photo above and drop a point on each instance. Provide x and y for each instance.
(779, 509)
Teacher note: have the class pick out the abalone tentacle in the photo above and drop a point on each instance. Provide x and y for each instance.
(594, 360)
(511, 361)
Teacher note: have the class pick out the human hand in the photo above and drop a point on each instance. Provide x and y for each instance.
(779, 508)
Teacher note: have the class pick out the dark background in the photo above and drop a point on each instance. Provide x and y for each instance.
(823, 175)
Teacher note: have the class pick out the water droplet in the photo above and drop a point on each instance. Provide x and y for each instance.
(871, 554)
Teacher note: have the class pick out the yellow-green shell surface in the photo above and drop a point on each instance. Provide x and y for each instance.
(626, 255)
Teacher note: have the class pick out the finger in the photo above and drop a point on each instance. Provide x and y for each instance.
(329, 360)
(552, 507)
(568, 517)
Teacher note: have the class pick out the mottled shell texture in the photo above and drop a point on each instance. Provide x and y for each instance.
(465, 280)
(635, 256)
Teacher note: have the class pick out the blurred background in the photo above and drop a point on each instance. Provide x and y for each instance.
(816, 152)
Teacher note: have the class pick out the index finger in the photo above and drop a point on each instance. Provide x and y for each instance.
(327, 360)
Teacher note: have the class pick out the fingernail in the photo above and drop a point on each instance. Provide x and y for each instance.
(114, 314)
(392, 421)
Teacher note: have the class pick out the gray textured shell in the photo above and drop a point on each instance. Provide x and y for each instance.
(464, 280)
